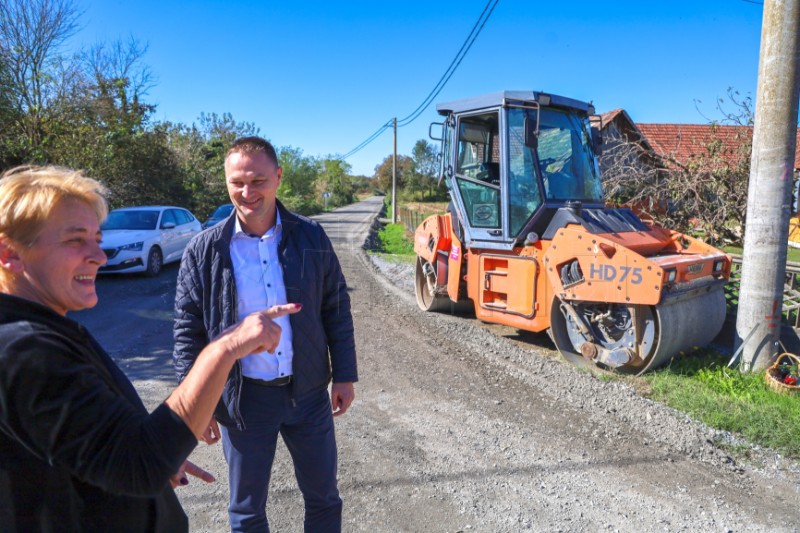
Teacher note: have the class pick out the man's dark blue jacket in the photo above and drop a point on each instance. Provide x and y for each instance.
(322, 332)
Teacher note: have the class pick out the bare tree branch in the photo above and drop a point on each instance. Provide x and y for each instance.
(704, 196)
(31, 35)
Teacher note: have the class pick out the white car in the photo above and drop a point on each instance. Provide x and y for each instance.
(144, 239)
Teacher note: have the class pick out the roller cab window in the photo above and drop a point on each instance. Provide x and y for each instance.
(566, 161)
(478, 169)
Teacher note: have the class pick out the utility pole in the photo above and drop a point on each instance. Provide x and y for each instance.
(769, 193)
(394, 174)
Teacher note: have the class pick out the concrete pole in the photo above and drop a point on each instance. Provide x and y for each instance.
(769, 194)
(394, 174)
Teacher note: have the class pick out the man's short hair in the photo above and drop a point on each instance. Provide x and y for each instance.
(253, 145)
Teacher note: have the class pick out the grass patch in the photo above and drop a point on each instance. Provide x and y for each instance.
(394, 239)
(702, 386)
(396, 259)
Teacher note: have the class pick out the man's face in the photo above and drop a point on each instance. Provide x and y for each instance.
(59, 270)
(252, 181)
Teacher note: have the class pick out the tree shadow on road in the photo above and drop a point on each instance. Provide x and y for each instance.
(530, 471)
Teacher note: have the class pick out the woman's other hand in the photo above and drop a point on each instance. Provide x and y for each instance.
(188, 468)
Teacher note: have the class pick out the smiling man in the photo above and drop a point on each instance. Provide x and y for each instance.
(261, 256)
(252, 179)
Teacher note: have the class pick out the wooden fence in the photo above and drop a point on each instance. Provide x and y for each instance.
(411, 218)
(791, 289)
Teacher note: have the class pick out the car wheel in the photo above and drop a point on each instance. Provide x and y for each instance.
(154, 261)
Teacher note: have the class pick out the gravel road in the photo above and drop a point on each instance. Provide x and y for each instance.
(462, 427)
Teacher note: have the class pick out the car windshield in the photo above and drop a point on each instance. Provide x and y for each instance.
(223, 211)
(131, 219)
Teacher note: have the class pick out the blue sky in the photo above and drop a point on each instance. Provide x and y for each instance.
(323, 76)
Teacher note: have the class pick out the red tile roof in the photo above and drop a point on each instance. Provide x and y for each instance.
(608, 117)
(683, 142)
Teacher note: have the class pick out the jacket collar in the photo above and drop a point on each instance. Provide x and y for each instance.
(223, 239)
(15, 308)
(288, 219)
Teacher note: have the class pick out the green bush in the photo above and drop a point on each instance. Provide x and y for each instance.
(304, 206)
(393, 239)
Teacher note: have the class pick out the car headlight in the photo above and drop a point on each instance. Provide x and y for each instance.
(134, 247)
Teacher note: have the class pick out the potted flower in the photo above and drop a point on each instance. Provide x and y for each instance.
(784, 374)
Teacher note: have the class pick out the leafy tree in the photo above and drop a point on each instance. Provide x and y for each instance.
(335, 178)
(363, 184)
(200, 150)
(414, 185)
(84, 111)
(300, 174)
(32, 33)
(8, 117)
(143, 170)
(119, 80)
(425, 158)
(100, 122)
(99, 106)
(383, 172)
(224, 128)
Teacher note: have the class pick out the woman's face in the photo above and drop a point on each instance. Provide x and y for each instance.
(59, 270)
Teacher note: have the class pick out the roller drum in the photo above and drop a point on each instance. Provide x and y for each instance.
(599, 335)
(686, 323)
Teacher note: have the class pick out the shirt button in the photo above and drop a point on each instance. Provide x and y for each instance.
(269, 285)
(264, 262)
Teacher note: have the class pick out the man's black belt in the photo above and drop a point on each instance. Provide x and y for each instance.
(277, 382)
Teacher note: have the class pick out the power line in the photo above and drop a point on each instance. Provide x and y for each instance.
(462, 52)
(367, 141)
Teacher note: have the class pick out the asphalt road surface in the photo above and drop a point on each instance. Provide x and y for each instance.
(459, 427)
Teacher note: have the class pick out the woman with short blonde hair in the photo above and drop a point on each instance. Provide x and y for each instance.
(28, 195)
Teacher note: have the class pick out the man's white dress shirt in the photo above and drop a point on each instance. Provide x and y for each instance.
(259, 285)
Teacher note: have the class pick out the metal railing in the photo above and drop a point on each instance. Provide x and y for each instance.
(791, 294)
(791, 289)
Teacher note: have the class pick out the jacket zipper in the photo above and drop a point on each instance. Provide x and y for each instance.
(237, 365)
(282, 257)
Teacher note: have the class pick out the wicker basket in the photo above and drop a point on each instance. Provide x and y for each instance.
(773, 376)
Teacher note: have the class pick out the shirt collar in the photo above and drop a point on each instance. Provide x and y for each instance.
(238, 231)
